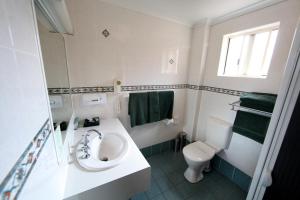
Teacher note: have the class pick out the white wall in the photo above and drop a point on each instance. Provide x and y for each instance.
(197, 58)
(287, 14)
(54, 58)
(23, 102)
(243, 152)
(137, 52)
(55, 65)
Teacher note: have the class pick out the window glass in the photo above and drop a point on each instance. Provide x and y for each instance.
(248, 53)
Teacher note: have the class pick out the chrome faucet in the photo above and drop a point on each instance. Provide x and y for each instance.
(85, 148)
(86, 140)
(94, 130)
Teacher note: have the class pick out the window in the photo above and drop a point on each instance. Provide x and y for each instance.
(248, 53)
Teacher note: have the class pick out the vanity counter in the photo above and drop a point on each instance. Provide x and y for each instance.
(132, 175)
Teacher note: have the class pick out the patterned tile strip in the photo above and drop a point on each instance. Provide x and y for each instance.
(80, 90)
(221, 90)
(53, 91)
(153, 87)
(13, 183)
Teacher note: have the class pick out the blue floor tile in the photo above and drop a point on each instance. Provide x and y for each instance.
(242, 179)
(226, 169)
(186, 189)
(154, 190)
(168, 182)
(141, 196)
(176, 177)
(172, 195)
(164, 183)
(159, 197)
(157, 173)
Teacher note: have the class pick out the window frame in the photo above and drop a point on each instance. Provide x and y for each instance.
(251, 33)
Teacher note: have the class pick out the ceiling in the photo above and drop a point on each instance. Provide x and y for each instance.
(187, 11)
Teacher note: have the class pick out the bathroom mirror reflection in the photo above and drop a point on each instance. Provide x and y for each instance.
(55, 64)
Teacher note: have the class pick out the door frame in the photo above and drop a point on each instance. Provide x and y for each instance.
(286, 100)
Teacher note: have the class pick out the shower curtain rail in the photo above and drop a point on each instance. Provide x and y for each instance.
(236, 106)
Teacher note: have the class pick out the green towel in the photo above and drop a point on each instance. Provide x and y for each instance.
(251, 125)
(154, 109)
(138, 108)
(148, 107)
(166, 101)
(258, 101)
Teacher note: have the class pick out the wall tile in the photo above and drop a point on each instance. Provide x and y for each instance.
(226, 169)
(156, 149)
(215, 163)
(21, 22)
(147, 152)
(165, 146)
(13, 183)
(241, 179)
(231, 172)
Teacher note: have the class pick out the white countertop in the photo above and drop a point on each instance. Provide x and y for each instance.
(80, 180)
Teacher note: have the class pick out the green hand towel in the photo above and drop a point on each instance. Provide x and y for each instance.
(154, 109)
(258, 101)
(138, 108)
(251, 125)
(166, 101)
(148, 107)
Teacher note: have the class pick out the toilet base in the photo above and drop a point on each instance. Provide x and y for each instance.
(192, 175)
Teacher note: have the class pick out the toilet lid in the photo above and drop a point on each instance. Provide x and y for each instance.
(199, 151)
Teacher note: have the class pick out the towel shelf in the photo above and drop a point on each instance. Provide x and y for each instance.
(236, 106)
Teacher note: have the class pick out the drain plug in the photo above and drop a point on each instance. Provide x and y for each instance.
(104, 159)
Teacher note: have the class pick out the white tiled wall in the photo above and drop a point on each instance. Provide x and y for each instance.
(47, 180)
(23, 102)
(217, 104)
(137, 52)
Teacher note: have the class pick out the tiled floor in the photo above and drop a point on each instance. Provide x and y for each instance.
(168, 182)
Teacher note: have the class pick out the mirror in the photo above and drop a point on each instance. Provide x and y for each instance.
(56, 71)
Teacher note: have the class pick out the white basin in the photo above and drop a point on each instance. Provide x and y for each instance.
(104, 153)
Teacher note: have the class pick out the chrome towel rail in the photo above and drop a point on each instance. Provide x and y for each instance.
(236, 106)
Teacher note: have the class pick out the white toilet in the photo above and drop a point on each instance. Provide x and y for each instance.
(199, 154)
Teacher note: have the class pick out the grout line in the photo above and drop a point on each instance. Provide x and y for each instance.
(233, 172)
(219, 163)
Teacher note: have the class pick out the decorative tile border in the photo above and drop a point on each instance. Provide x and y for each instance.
(215, 89)
(194, 87)
(52, 91)
(153, 87)
(221, 90)
(13, 183)
(80, 90)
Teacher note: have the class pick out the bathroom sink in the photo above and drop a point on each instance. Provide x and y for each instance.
(104, 153)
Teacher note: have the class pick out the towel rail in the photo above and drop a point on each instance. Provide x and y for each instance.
(236, 106)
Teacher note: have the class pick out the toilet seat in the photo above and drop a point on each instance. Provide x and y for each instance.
(199, 151)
